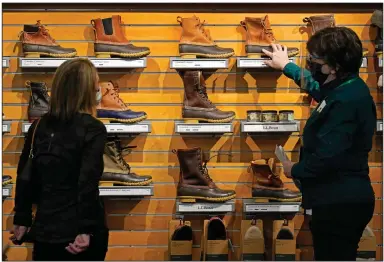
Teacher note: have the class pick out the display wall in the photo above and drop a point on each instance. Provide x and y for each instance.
(139, 227)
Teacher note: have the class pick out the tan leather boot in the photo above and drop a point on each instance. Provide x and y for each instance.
(38, 42)
(195, 41)
(260, 36)
(112, 107)
(110, 39)
(195, 182)
(268, 185)
(196, 104)
(318, 22)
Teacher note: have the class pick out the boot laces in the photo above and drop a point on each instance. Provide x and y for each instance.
(201, 27)
(121, 152)
(204, 169)
(202, 91)
(45, 31)
(268, 31)
(115, 93)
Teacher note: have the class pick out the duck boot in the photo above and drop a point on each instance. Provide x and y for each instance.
(196, 105)
(318, 22)
(37, 42)
(195, 41)
(110, 40)
(268, 185)
(182, 233)
(116, 170)
(377, 21)
(259, 35)
(7, 180)
(195, 182)
(112, 107)
(38, 101)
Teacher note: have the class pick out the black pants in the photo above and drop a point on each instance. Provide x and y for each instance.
(96, 251)
(337, 229)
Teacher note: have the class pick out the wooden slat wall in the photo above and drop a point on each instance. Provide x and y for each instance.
(139, 227)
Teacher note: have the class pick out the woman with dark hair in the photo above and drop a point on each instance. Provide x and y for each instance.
(333, 168)
(68, 145)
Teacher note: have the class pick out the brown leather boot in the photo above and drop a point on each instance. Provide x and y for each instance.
(196, 41)
(38, 101)
(38, 42)
(110, 39)
(318, 22)
(268, 185)
(112, 107)
(260, 36)
(195, 182)
(196, 104)
(116, 170)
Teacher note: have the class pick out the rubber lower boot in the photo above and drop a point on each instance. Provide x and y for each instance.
(196, 104)
(113, 108)
(182, 233)
(194, 180)
(7, 180)
(116, 170)
(285, 234)
(267, 185)
(37, 42)
(377, 21)
(216, 229)
(38, 101)
(111, 41)
(196, 41)
(259, 35)
(252, 233)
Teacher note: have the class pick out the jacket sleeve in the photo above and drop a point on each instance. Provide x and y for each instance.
(23, 200)
(90, 173)
(304, 79)
(336, 138)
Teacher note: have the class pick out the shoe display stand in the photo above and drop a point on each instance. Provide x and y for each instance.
(198, 63)
(6, 126)
(248, 62)
(182, 127)
(7, 191)
(6, 62)
(98, 62)
(379, 126)
(270, 127)
(205, 207)
(126, 191)
(250, 206)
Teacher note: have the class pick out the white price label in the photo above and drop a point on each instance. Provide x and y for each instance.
(208, 128)
(121, 191)
(205, 207)
(5, 62)
(380, 62)
(253, 63)
(272, 208)
(199, 63)
(6, 192)
(122, 128)
(26, 127)
(381, 127)
(119, 63)
(5, 128)
(263, 127)
(25, 62)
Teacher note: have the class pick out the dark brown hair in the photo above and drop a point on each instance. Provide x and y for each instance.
(338, 46)
(74, 89)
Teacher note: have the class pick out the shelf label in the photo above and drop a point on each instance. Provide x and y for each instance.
(26, 127)
(364, 62)
(198, 63)
(5, 62)
(205, 207)
(119, 63)
(6, 192)
(122, 128)
(206, 128)
(26, 62)
(125, 191)
(272, 208)
(380, 62)
(5, 128)
(272, 127)
(253, 62)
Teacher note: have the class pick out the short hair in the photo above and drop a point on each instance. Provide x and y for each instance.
(73, 89)
(338, 46)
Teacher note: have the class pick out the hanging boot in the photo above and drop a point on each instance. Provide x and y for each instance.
(195, 41)
(196, 104)
(216, 229)
(112, 107)
(195, 182)
(116, 170)
(38, 42)
(7, 180)
(318, 22)
(259, 36)
(268, 185)
(110, 39)
(377, 21)
(38, 101)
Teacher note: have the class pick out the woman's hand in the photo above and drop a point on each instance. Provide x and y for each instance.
(279, 57)
(287, 166)
(80, 244)
(18, 233)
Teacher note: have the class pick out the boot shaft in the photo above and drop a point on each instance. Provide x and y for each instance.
(193, 32)
(113, 157)
(109, 31)
(39, 94)
(37, 35)
(319, 22)
(264, 172)
(195, 91)
(110, 97)
(258, 31)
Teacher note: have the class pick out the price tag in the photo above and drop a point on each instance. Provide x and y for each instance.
(119, 63)
(124, 191)
(205, 207)
(123, 128)
(178, 63)
(364, 63)
(203, 128)
(26, 127)
(6, 192)
(5, 128)
(253, 62)
(270, 127)
(272, 208)
(381, 127)
(5, 63)
(380, 62)
(31, 63)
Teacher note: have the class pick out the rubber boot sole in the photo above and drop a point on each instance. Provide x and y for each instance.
(195, 55)
(120, 120)
(121, 183)
(225, 120)
(193, 199)
(129, 55)
(7, 182)
(262, 55)
(39, 54)
(296, 199)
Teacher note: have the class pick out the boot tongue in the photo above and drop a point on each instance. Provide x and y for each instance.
(271, 163)
(266, 23)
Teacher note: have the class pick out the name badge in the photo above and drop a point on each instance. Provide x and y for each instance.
(321, 106)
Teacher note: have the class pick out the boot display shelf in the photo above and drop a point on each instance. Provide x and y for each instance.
(98, 62)
(198, 63)
(7, 191)
(248, 62)
(250, 206)
(134, 191)
(114, 128)
(205, 207)
(379, 126)
(182, 127)
(6, 126)
(269, 127)
(6, 62)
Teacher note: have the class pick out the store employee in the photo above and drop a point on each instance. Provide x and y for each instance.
(333, 168)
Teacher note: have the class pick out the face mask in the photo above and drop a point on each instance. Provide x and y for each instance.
(99, 96)
(316, 73)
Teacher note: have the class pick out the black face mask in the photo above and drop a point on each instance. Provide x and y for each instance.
(316, 73)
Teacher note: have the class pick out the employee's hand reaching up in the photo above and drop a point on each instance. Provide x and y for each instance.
(279, 57)
(287, 166)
